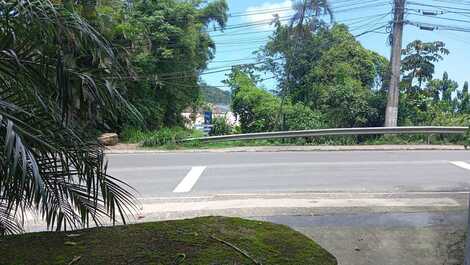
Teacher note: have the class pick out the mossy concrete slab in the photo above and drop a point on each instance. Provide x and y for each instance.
(191, 241)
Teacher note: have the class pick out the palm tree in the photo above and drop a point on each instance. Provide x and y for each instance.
(308, 13)
(89, 9)
(48, 164)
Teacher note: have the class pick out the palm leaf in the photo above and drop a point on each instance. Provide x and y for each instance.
(48, 163)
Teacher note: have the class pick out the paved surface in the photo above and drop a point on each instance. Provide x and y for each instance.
(367, 207)
(158, 174)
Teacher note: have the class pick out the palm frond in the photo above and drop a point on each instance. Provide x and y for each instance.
(48, 163)
(308, 14)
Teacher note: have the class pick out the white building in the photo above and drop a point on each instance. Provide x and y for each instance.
(196, 119)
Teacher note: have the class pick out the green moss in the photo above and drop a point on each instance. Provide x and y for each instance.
(171, 242)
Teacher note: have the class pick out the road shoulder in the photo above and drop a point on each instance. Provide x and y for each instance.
(133, 148)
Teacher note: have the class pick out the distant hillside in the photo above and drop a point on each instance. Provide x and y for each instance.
(215, 95)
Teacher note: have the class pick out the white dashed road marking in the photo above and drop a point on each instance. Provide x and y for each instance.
(461, 164)
(191, 178)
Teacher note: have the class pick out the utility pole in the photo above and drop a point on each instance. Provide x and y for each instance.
(391, 113)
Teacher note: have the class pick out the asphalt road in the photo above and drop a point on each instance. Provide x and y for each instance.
(176, 174)
(365, 207)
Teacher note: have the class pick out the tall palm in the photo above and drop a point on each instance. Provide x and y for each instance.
(308, 14)
(48, 164)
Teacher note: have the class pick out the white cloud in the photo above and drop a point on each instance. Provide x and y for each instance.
(267, 11)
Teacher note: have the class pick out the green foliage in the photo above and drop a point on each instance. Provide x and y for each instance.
(261, 111)
(301, 117)
(158, 138)
(346, 105)
(307, 15)
(133, 135)
(257, 109)
(56, 75)
(419, 59)
(442, 90)
(422, 107)
(165, 136)
(330, 72)
(414, 109)
(221, 126)
(464, 99)
(166, 46)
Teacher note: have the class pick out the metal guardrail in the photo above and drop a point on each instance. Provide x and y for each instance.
(333, 132)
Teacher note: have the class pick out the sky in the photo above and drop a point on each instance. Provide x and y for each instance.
(249, 28)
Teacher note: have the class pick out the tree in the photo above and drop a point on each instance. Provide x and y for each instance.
(169, 47)
(308, 14)
(301, 117)
(256, 108)
(441, 91)
(419, 59)
(314, 70)
(49, 163)
(259, 110)
(464, 99)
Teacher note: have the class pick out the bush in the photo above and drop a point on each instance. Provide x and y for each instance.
(221, 126)
(300, 117)
(132, 135)
(170, 136)
(164, 136)
(256, 108)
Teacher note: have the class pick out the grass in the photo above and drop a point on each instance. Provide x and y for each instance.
(162, 137)
(170, 139)
(333, 141)
(193, 242)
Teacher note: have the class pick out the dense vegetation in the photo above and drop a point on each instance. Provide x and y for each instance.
(327, 79)
(165, 45)
(56, 89)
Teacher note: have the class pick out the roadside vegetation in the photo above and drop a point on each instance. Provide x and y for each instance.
(317, 141)
(325, 79)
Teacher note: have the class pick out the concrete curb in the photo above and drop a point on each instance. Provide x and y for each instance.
(110, 150)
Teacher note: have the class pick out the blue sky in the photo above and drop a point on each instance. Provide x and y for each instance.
(235, 46)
